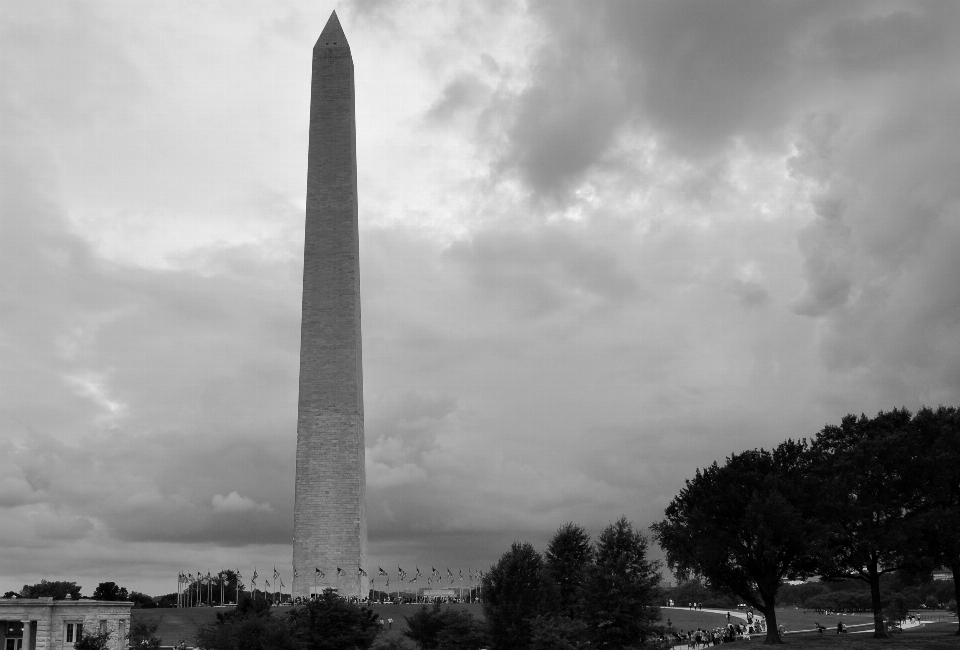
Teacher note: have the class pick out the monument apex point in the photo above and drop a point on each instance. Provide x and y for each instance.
(332, 34)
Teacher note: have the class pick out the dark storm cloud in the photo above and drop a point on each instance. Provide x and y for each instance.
(700, 74)
(697, 73)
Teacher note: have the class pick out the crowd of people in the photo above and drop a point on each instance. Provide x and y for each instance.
(701, 638)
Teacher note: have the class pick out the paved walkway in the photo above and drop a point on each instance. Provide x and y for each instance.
(732, 612)
(736, 614)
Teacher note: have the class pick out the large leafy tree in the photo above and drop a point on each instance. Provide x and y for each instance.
(868, 499)
(745, 526)
(568, 556)
(938, 469)
(622, 589)
(514, 593)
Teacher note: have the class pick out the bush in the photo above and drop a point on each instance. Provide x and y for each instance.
(897, 608)
(93, 641)
(331, 623)
(143, 634)
(436, 628)
(392, 644)
(424, 626)
(248, 627)
(560, 633)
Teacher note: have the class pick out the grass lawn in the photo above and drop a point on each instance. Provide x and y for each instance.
(793, 620)
(176, 624)
(935, 636)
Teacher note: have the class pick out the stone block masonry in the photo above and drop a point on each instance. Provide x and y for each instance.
(330, 529)
(48, 624)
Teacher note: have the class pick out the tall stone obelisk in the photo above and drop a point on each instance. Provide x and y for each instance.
(329, 521)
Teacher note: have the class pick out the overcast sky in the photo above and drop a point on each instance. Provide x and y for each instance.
(602, 244)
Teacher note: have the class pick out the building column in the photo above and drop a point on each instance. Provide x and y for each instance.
(27, 627)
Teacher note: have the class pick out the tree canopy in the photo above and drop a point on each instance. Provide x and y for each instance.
(745, 526)
(331, 623)
(938, 470)
(868, 498)
(514, 593)
(58, 589)
(110, 591)
(445, 628)
(581, 596)
(568, 557)
(622, 588)
(248, 627)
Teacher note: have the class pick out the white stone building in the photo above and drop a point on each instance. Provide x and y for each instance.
(48, 624)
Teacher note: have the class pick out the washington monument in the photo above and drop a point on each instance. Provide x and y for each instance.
(329, 520)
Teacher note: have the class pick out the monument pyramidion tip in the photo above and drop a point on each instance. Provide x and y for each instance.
(332, 34)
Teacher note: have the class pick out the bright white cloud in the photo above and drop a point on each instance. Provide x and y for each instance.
(233, 502)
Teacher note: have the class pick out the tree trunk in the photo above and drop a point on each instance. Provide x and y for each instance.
(956, 586)
(879, 630)
(773, 634)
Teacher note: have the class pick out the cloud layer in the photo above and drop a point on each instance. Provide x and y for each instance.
(601, 245)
